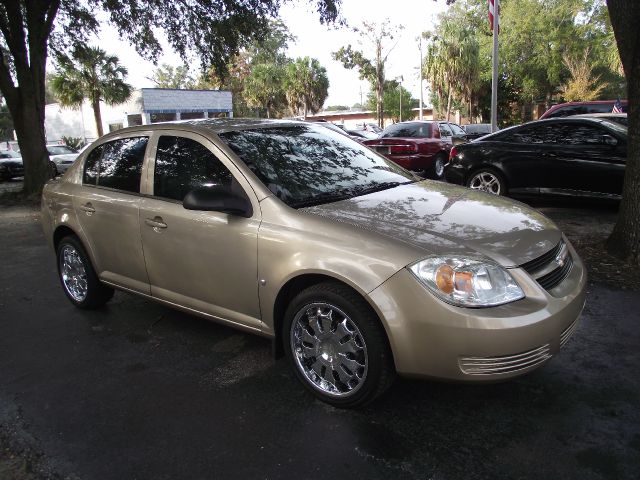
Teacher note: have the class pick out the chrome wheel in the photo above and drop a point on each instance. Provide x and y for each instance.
(329, 349)
(73, 273)
(486, 182)
(438, 168)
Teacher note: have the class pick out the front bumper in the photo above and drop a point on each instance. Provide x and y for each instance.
(455, 174)
(430, 338)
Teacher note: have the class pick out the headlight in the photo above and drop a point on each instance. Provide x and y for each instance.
(467, 282)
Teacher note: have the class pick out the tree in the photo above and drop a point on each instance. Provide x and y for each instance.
(90, 74)
(583, 84)
(306, 85)
(625, 238)
(263, 88)
(213, 30)
(6, 124)
(371, 69)
(392, 92)
(168, 76)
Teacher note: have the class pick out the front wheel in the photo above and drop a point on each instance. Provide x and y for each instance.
(488, 181)
(336, 345)
(79, 280)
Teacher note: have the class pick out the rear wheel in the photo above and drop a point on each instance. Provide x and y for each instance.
(487, 180)
(336, 345)
(437, 171)
(78, 278)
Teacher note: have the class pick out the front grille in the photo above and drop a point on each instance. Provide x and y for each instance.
(554, 278)
(566, 335)
(542, 261)
(504, 364)
(550, 269)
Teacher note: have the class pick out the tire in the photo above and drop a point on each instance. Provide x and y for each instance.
(487, 180)
(437, 170)
(77, 276)
(346, 363)
(53, 169)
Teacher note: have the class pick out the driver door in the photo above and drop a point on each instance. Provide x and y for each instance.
(205, 261)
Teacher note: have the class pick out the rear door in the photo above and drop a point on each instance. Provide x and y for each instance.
(206, 261)
(107, 206)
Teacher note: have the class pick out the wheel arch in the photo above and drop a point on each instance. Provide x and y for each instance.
(299, 283)
(62, 231)
(491, 167)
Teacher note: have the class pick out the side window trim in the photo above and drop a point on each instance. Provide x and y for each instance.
(84, 166)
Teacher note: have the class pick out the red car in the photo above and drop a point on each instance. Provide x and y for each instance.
(581, 108)
(420, 146)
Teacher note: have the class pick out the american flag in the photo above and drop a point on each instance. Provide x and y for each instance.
(617, 107)
(491, 10)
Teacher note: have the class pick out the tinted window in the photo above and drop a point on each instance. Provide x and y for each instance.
(407, 130)
(444, 130)
(121, 164)
(581, 135)
(304, 165)
(183, 164)
(538, 134)
(60, 150)
(92, 166)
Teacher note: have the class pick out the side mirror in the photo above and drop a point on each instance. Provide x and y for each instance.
(218, 198)
(609, 140)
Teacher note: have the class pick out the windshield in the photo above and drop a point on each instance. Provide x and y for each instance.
(59, 150)
(307, 165)
(407, 130)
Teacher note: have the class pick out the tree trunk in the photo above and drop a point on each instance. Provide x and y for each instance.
(95, 104)
(625, 238)
(31, 139)
(448, 101)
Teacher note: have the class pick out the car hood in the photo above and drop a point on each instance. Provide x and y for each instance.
(439, 218)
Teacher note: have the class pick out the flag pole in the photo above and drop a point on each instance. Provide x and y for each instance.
(494, 78)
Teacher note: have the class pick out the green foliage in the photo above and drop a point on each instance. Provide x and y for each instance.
(263, 88)
(75, 143)
(392, 94)
(536, 38)
(371, 68)
(168, 76)
(92, 74)
(306, 85)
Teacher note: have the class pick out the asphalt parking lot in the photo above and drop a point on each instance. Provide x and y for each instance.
(139, 391)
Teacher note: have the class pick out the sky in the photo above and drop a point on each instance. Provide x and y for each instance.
(318, 41)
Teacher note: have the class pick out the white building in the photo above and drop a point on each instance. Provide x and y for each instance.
(148, 105)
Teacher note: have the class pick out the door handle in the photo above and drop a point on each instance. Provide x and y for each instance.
(155, 222)
(87, 208)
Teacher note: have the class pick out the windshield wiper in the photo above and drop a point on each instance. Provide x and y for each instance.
(321, 199)
(379, 187)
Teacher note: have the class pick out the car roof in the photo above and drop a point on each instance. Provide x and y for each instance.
(208, 125)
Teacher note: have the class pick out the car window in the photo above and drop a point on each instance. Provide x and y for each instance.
(121, 164)
(538, 134)
(401, 130)
(577, 134)
(303, 164)
(60, 150)
(92, 166)
(456, 129)
(445, 131)
(183, 164)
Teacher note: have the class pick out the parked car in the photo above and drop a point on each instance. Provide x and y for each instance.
(361, 135)
(458, 135)
(563, 156)
(577, 108)
(619, 118)
(477, 130)
(419, 146)
(10, 165)
(354, 267)
(62, 157)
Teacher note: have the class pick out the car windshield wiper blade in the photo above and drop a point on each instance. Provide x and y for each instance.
(321, 199)
(379, 187)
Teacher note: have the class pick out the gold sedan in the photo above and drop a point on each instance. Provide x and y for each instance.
(356, 268)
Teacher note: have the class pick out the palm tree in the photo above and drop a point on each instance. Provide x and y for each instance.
(90, 74)
(306, 86)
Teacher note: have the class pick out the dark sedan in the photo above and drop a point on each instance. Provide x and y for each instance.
(564, 156)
